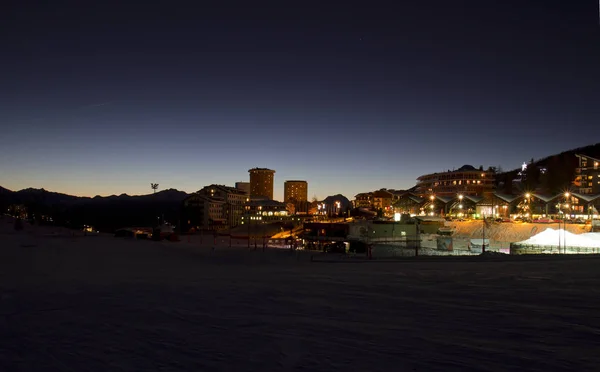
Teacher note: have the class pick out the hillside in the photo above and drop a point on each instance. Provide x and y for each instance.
(558, 176)
(104, 213)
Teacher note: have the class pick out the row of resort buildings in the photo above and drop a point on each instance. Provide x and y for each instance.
(467, 192)
(471, 192)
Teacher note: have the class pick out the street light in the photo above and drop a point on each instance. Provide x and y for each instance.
(567, 205)
(248, 223)
(460, 199)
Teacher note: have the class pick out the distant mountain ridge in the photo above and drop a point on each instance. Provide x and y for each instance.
(106, 213)
(32, 194)
(5, 191)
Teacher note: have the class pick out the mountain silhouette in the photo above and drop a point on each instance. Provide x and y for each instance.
(104, 213)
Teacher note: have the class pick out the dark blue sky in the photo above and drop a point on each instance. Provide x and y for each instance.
(106, 98)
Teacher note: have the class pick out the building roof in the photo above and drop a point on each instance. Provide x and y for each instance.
(474, 199)
(447, 199)
(265, 202)
(261, 170)
(228, 189)
(415, 198)
(382, 194)
(506, 198)
(296, 181)
(412, 197)
(205, 198)
(463, 169)
(587, 197)
(546, 198)
(444, 199)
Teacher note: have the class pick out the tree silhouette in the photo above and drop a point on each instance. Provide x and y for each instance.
(154, 186)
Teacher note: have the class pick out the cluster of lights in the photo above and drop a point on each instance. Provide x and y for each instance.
(321, 208)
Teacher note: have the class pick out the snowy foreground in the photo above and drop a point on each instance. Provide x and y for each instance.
(106, 304)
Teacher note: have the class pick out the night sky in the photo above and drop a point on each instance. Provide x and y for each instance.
(106, 98)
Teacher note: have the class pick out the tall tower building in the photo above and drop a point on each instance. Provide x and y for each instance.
(261, 182)
(295, 195)
(295, 191)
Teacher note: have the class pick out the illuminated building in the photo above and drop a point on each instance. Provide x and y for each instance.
(467, 180)
(295, 191)
(382, 199)
(263, 210)
(261, 182)
(587, 175)
(204, 212)
(295, 194)
(363, 200)
(215, 207)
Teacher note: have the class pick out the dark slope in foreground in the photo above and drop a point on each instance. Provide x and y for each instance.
(139, 305)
